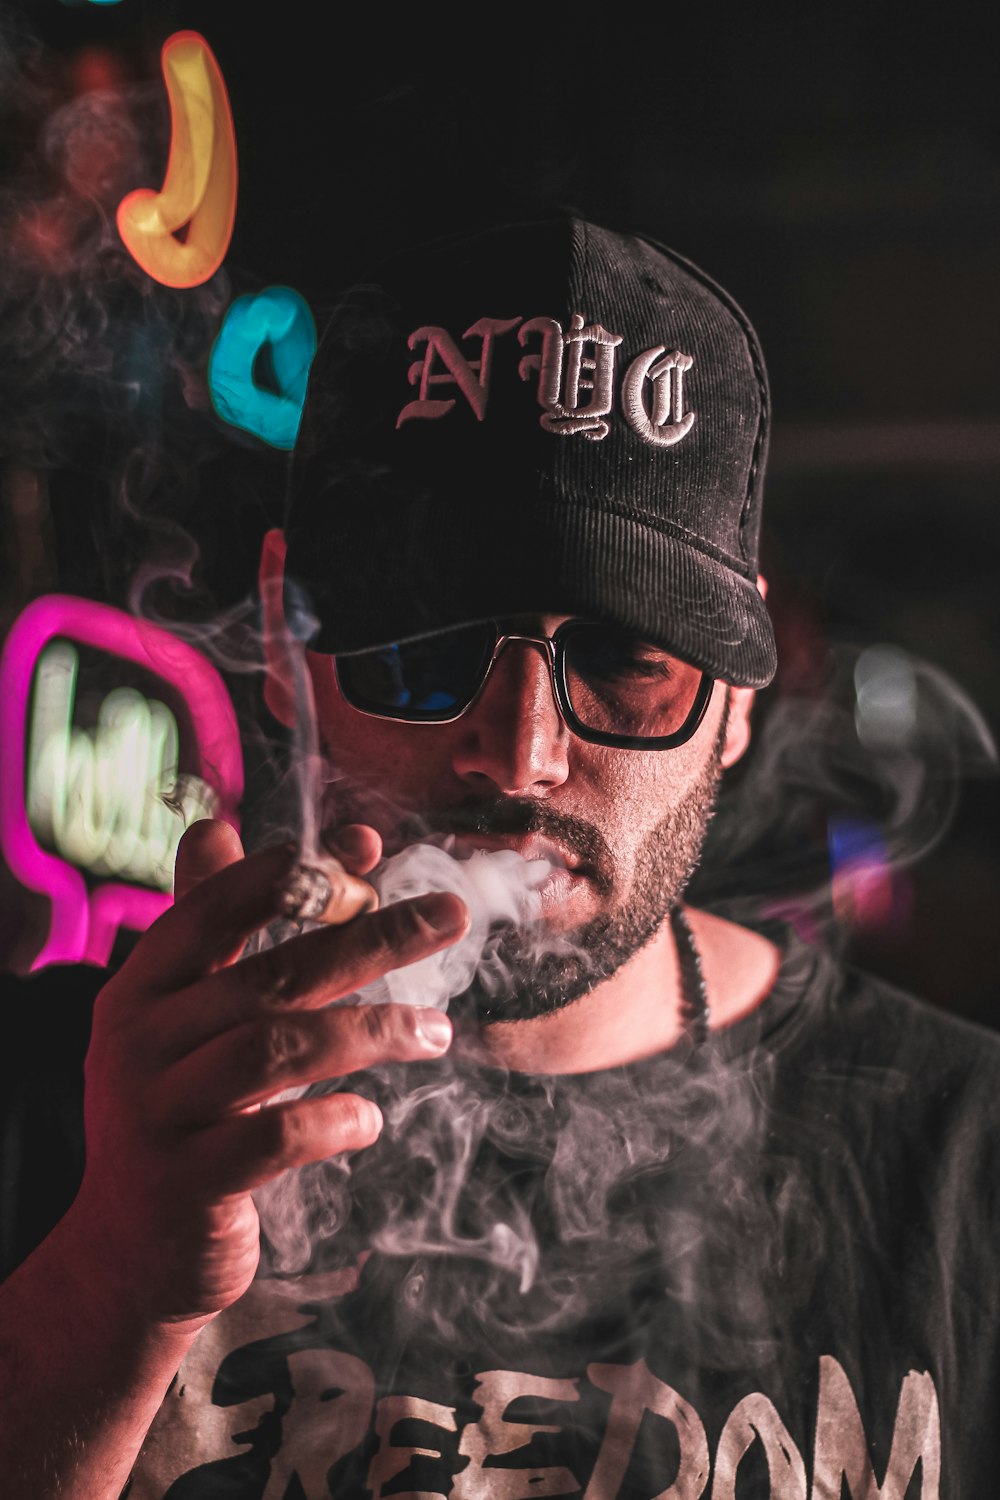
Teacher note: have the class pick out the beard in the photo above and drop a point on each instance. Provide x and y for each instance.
(532, 971)
(524, 975)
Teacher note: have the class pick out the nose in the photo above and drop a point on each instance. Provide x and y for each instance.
(514, 735)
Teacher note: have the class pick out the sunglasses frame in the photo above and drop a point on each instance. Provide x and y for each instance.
(555, 652)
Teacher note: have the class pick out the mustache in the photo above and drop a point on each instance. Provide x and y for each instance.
(519, 816)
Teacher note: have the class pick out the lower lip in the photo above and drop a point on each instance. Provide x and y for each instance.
(560, 886)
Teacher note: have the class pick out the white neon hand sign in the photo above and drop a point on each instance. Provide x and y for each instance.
(98, 796)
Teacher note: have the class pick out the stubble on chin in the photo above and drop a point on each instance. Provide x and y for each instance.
(528, 973)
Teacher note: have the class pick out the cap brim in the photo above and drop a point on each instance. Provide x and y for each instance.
(659, 584)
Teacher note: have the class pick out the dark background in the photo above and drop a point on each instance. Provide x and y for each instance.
(838, 171)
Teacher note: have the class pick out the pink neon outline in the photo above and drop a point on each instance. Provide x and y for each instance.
(82, 929)
(114, 906)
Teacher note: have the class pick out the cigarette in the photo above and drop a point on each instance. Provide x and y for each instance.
(326, 893)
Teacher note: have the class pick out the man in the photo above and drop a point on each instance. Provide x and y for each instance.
(670, 1207)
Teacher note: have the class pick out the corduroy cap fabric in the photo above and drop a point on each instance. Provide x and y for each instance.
(549, 417)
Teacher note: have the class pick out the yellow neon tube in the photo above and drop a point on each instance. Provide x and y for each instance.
(199, 190)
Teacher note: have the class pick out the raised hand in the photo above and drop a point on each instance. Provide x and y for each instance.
(190, 1042)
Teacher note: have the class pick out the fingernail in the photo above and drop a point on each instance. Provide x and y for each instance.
(443, 912)
(433, 1029)
(355, 889)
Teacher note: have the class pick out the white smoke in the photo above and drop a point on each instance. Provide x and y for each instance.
(504, 1199)
(442, 1195)
(91, 347)
(498, 887)
(887, 743)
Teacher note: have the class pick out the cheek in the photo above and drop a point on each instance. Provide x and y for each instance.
(638, 789)
(396, 761)
(627, 794)
(338, 735)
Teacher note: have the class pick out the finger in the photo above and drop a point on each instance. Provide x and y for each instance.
(207, 846)
(257, 1061)
(243, 1153)
(309, 972)
(357, 845)
(225, 909)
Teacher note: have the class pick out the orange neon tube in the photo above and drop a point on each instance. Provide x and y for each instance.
(199, 190)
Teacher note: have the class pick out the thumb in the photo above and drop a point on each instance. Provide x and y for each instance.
(208, 845)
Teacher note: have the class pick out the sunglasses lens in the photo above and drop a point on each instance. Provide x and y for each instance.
(619, 685)
(616, 684)
(432, 678)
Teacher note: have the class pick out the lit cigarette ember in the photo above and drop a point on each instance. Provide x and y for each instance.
(315, 893)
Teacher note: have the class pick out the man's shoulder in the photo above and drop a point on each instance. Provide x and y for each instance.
(891, 1021)
(891, 1054)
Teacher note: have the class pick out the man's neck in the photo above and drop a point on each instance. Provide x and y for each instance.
(637, 1012)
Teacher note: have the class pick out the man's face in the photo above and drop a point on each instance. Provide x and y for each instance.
(511, 774)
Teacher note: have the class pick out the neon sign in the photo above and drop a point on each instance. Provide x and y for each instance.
(92, 795)
(98, 796)
(276, 321)
(199, 190)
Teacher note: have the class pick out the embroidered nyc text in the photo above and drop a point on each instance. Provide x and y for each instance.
(574, 371)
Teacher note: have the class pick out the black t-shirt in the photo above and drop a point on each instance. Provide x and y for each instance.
(765, 1268)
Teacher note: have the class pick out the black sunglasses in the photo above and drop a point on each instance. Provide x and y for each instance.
(611, 687)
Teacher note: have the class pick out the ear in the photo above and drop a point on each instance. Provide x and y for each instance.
(278, 671)
(741, 702)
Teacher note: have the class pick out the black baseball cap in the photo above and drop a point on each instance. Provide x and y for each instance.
(545, 417)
